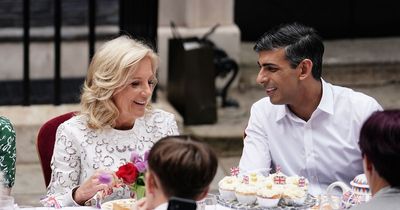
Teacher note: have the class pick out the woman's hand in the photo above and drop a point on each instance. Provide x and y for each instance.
(91, 186)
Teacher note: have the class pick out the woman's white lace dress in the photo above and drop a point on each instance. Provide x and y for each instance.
(79, 151)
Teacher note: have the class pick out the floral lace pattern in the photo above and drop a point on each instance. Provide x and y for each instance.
(7, 152)
(79, 151)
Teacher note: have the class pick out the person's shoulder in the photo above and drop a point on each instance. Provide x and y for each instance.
(4, 121)
(6, 128)
(159, 112)
(354, 98)
(75, 122)
(75, 128)
(379, 203)
(158, 115)
(76, 119)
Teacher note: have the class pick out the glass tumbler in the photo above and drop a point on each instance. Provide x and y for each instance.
(207, 203)
(6, 202)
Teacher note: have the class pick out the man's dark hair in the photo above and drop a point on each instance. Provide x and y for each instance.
(300, 42)
(184, 166)
(380, 142)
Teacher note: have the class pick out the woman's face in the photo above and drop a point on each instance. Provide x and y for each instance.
(132, 99)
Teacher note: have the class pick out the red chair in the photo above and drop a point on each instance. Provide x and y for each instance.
(45, 143)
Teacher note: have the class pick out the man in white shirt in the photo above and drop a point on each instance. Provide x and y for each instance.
(306, 126)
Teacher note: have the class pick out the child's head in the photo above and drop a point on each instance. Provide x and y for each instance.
(182, 166)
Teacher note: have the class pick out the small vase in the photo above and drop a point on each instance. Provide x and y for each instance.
(140, 192)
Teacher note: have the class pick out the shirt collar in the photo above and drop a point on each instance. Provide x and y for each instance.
(325, 105)
(162, 206)
(281, 112)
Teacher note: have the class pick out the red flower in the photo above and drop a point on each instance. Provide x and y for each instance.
(128, 173)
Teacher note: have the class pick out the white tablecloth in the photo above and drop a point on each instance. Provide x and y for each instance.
(92, 208)
(65, 208)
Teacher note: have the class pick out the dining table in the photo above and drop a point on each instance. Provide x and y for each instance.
(208, 207)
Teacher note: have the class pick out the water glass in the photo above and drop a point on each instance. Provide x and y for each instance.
(207, 203)
(6, 202)
(328, 202)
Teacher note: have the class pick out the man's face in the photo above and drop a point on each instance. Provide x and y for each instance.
(277, 77)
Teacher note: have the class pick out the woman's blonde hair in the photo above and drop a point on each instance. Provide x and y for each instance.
(109, 70)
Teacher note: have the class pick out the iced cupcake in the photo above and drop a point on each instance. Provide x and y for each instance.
(294, 180)
(246, 193)
(268, 196)
(293, 195)
(278, 178)
(300, 182)
(227, 188)
(256, 179)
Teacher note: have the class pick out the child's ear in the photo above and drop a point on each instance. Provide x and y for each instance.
(368, 164)
(150, 182)
(203, 194)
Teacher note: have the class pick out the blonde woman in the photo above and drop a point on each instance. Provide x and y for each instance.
(115, 119)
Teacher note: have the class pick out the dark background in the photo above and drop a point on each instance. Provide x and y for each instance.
(333, 19)
(74, 12)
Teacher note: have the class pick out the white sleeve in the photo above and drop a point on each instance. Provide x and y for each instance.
(65, 166)
(255, 156)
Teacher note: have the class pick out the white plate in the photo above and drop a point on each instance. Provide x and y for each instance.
(308, 203)
(128, 203)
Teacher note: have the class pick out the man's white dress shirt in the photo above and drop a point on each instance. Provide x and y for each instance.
(323, 149)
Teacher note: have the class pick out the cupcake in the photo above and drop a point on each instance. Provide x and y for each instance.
(294, 180)
(300, 182)
(246, 193)
(268, 196)
(256, 179)
(293, 195)
(227, 188)
(278, 178)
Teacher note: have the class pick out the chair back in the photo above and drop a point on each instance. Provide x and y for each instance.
(45, 143)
